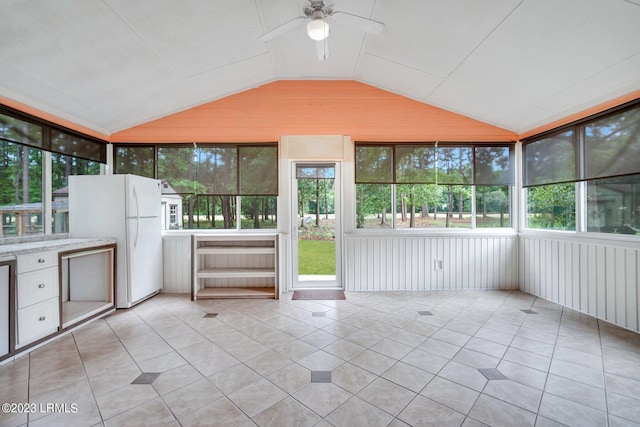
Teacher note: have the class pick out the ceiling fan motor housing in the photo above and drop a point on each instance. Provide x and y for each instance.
(317, 9)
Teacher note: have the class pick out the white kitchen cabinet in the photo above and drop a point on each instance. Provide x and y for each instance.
(38, 320)
(87, 283)
(51, 286)
(238, 266)
(38, 304)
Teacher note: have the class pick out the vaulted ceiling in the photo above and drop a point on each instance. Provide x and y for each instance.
(517, 64)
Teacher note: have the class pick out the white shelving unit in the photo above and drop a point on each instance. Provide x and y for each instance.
(234, 266)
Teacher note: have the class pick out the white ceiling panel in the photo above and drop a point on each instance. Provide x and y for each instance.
(110, 64)
(192, 35)
(544, 48)
(407, 81)
(233, 78)
(613, 82)
(434, 36)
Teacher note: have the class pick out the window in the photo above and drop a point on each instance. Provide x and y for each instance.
(136, 159)
(173, 216)
(21, 190)
(24, 140)
(613, 205)
(552, 206)
(603, 152)
(61, 167)
(431, 185)
(228, 186)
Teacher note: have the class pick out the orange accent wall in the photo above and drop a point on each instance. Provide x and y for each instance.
(51, 118)
(305, 107)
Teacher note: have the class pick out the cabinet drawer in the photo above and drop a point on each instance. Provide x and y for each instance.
(38, 320)
(37, 286)
(37, 261)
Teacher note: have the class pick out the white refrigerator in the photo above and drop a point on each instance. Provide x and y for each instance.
(127, 207)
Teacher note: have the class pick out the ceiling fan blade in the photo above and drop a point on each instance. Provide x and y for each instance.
(281, 29)
(365, 24)
(322, 49)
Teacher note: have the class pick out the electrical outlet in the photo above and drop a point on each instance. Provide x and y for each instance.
(438, 265)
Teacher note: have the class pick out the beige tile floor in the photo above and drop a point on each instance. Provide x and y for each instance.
(390, 365)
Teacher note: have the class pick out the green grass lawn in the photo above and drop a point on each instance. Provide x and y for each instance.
(316, 257)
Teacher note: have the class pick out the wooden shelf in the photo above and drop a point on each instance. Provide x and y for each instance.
(235, 250)
(234, 266)
(209, 273)
(236, 293)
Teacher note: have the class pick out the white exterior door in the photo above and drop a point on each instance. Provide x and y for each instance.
(316, 231)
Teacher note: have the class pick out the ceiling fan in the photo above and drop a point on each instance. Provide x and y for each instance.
(317, 16)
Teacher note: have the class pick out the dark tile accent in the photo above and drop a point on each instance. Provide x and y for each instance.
(529, 312)
(492, 374)
(318, 314)
(210, 315)
(146, 378)
(320, 376)
(425, 313)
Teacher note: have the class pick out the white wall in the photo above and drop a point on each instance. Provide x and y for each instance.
(385, 263)
(597, 276)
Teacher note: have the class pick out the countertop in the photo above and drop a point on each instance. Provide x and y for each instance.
(10, 251)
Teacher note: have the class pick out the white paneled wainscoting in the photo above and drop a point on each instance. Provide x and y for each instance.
(591, 275)
(594, 276)
(176, 250)
(428, 263)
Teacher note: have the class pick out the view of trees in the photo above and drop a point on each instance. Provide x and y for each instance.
(552, 206)
(212, 180)
(431, 205)
(430, 185)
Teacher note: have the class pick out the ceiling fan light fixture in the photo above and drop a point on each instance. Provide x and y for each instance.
(318, 29)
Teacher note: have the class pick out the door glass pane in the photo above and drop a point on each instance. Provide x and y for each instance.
(316, 226)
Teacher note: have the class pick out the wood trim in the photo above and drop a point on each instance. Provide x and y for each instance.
(111, 246)
(11, 324)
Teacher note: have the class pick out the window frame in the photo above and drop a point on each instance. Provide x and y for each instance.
(192, 197)
(510, 229)
(582, 180)
(46, 149)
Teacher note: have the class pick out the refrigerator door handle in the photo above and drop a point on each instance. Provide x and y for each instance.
(135, 198)
(135, 241)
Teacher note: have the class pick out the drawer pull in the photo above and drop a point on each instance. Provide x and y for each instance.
(41, 286)
(41, 260)
(42, 318)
